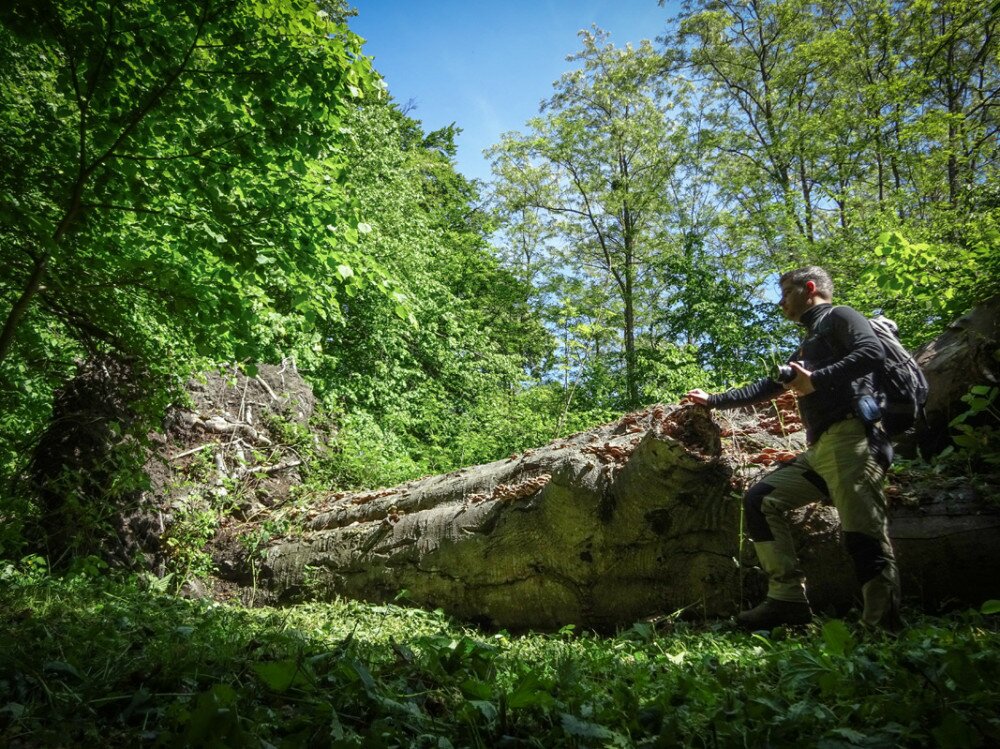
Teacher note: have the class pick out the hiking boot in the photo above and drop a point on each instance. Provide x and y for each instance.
(773, 612)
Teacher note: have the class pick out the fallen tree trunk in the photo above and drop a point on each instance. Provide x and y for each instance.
(597, 529)
(966, 354)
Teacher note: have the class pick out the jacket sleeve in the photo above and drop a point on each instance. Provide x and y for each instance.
(757, 392)
(849, 331)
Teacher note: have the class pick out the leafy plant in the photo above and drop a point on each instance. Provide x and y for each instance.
(194, 523)
(103, 658)
(929, 283)
(976, 431)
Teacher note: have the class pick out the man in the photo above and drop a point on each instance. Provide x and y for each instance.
(845, 462)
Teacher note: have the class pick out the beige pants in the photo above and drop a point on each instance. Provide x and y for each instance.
(839, 467)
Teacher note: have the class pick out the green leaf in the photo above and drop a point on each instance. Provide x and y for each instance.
(954, 732)
(219, 238)
(14, 709)
(211, 714)
(530, 692)
(838, 639)
(345, 271)
(302, 301)
(991, 606)
(365, 675)
(477, 688)
(279, 676)
(61, 667)
(584, 729)
(487, 709)
(855, 737)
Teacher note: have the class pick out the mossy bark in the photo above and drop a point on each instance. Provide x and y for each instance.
(635, 518)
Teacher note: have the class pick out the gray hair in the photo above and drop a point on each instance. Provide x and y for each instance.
(801, 276)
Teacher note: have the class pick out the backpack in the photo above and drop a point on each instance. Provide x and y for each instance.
(900, 387)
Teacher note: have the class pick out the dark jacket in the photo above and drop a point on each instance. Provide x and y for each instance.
(841, 350)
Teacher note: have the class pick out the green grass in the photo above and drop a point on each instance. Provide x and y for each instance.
(98, 660)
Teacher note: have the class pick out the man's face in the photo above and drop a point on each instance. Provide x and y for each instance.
(794, 301)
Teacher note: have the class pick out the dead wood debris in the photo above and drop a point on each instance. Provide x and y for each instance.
(224, 424)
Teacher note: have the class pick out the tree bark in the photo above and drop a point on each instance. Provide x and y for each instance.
(20, 307)
(963, 356)
(598, 529)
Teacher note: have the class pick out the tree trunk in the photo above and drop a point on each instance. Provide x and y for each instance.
(598, 529)
(633, 519)
(631, 360)
(20, 307)
(965, 355)
(807, 207)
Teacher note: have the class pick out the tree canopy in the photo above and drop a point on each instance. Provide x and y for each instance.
(660, 191)
(203, 185)
(229, 181)
(174, 184)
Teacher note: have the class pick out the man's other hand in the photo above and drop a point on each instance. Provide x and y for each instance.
(697, 396)
(802, 382)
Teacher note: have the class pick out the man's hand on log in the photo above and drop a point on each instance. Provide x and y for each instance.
(697, 396)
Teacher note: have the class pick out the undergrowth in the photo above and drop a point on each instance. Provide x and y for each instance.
(91, 659)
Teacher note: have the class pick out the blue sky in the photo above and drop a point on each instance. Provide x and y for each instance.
(486, 65)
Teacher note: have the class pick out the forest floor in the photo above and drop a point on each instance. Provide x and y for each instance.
(93, 658)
